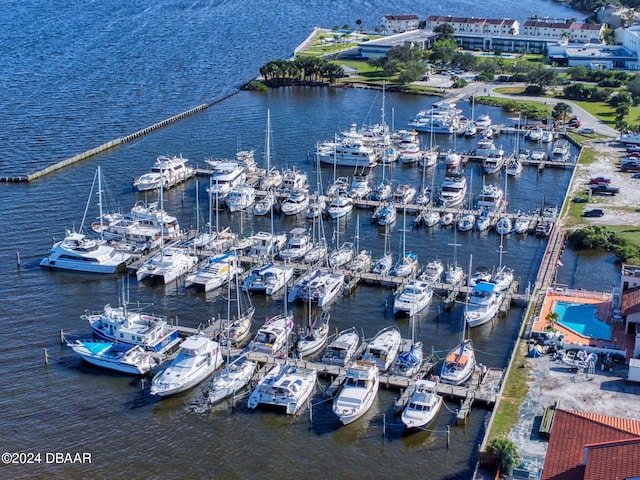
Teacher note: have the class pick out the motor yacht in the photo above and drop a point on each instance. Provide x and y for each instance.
(197, 359)
(383, 349)
(287, 387)
(358, 391)
(423, 406)
(413, 298)
(166, 171)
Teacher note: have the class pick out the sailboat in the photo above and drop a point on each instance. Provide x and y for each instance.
(79, 253)
(384, 264)
(454, 274)
(407, 265)
(504, 275)
(410, 358)
(237, 375)
(239, 326)
(460, 362)
(312, 338)
(362, 260)
(272, 177)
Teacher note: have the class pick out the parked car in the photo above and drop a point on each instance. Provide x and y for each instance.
(636, 175)
(594, 212)
(587, 131)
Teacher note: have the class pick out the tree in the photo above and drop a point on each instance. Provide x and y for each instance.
(506, 453)
(561, 110)
(444, 50)
(377, 62)
(444, 31)
(543, 77)
(359, 24)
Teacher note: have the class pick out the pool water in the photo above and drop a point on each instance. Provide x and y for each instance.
(581, 318)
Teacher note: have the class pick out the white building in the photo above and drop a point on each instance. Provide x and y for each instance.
(630, 304)
(573, 32)
(484, 26)
(399, 23)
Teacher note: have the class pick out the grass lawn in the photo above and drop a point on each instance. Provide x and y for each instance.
(509, 90)
(630, 233)
(607, 113)
(514, 393)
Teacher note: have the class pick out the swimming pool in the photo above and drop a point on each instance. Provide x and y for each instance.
(581, 318)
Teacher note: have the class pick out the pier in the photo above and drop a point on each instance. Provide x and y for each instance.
(113, 143)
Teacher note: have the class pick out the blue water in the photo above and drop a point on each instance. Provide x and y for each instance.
(582, 319)
(77, 74)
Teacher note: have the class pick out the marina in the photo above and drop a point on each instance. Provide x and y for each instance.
(49, 407)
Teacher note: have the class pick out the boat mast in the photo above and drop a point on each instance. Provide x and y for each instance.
(100, 201)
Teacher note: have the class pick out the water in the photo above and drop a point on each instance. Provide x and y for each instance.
(76, 75)
(582, 319)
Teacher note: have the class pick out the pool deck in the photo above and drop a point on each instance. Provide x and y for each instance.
(602, 302)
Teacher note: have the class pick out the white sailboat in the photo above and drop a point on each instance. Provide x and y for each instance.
(410, 358)
(407, 265)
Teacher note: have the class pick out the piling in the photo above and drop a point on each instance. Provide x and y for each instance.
(46, 357)
(18, 259)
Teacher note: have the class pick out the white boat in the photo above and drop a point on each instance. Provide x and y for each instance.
(514, 167)
(381, 192)
(239, 319)
(383, 349)
(413, 298)
(446, 219)
(266, 244)
(342, 348)
(273, 336)
(268, 279)
(404, 194)
(383, 265)
(296, 202)
(503, 226)
(423, 197)
(224, 177)
(167, 265)
(318, 287)
(406, 266)
(433, 271)
(241, 197)
(423, 406)
(361, 262)
(316, 207)
(452, 161)
(358, 391)
(491, 198)
(471, 129)
(483, 221)
(503, 278)
(79, 253)
(166, 172)
(313, 338)
(120, 325)
(483, 122)
(484, 304)
(431, 218)
(216, 272)
(294, 180)
(485, 146)
(285, 386)
(466, 222)
(561, 151)
(535, 135)
(348, 152)
(317, 254)
(231, 379)
(340, 186)
(459, 364)
(359, 187)
(118, 357)
(298, 245)
(453, 190)
(521, 225)
(340, 206)
(480, 275)
(342, 255)
(547, 136)
(493, 162)
(197, 359)
(408, 147)
(454, 274)
(272, 179)
(387, 214)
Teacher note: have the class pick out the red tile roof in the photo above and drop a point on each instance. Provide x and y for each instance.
(572, 431)
(401, 17)
(613, 460)
(631, 301)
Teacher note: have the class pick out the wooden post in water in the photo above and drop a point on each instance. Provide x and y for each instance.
(310, 412)
(61, 337)
(46, 357)
(448, 435)
(233, 403)
(18, 259)
(384, 425)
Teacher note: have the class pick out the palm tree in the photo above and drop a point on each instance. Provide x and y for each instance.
(562, 110)
(506, 453)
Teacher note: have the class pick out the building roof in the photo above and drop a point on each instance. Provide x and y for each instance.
(582, 443)
(541, 24)
(448, 19)
(586, 26)
(630, 301)
(401, 17)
